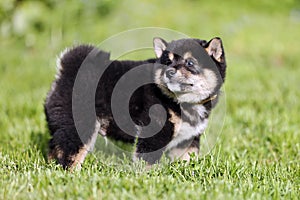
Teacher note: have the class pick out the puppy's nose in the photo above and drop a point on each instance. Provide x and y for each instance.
(170, 73)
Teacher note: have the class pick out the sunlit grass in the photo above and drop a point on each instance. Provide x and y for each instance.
(258, 153)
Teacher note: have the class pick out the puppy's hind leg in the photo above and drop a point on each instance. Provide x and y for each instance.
(67, 148)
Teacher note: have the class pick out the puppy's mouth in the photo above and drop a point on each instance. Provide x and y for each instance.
(186, 84)
(180, 87)
(181, 84)
(177, 84)
(185, 88)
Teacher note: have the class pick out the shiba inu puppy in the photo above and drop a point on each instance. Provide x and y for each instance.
(186, 75)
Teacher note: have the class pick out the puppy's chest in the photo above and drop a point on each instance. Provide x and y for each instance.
(192, 122)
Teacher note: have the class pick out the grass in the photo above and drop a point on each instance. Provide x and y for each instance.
(258, 153)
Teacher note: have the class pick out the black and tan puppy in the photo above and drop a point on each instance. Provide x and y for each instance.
(187, 76)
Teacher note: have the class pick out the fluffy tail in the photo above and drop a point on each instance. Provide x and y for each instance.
(65, 146)
(71, 59)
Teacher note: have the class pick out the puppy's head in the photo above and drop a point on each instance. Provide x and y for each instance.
(190, 70)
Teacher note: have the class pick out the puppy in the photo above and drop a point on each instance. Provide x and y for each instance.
(184, 79)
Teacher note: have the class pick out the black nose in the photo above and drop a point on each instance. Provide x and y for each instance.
(170, 73)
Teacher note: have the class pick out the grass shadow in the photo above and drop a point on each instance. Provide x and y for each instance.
(40, 140)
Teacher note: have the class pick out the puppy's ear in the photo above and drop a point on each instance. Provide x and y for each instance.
(215, 48)
(159, 46)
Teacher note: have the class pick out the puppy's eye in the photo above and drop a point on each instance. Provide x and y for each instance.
(189, 63)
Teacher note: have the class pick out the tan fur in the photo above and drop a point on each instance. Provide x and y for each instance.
(175, 119)
(171, 56)
(157, 77)
(104, 123)
(83, 151)
(211, 79)
(215, 49)
(176, 153)
(183, 153)
(79, 158)
(186, 156)
(187, 55)
(185, 73)
(56, 153)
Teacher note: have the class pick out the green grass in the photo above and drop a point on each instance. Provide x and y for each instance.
(258, 153)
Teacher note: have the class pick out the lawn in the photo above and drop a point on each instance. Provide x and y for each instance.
(257, 154)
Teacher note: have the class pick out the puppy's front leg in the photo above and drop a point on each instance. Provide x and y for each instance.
(185, 149)
(151, 149)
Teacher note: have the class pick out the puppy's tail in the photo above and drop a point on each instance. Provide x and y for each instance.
(71, 59)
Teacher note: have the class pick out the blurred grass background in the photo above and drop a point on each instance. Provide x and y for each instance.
(259, 151)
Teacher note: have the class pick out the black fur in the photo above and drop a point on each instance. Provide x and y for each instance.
(66, 144)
